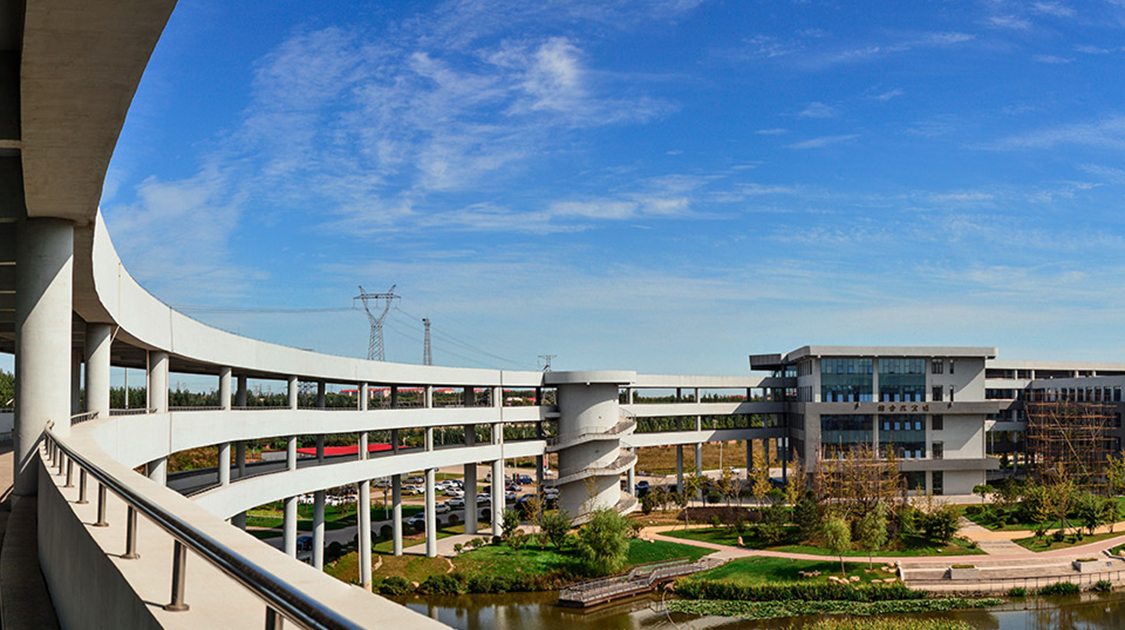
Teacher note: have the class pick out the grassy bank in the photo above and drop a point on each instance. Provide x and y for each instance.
(777, 609)
(906, 547)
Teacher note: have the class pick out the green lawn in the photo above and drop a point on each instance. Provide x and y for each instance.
(762, 570)
(335, 517)
(1047, 543)
(969, 511)
(908, 547)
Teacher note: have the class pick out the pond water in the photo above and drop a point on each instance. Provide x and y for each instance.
(519, 611)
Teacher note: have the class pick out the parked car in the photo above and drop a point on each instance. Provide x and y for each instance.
(456, 503)
(412, 490)
(524, 479)
(418, 521)
(304, 543)
(415, 479)
(454, 492)
(484, 499)
(513, 487)
(509, 496)
(441, 508)
(641, 489)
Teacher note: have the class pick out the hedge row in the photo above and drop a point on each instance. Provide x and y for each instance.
(456, 583)
(798, 591)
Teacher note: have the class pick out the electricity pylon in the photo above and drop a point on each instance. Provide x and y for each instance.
(427, 356)
(375, 349)
(547, 361)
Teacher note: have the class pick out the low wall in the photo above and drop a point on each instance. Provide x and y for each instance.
(87, 589)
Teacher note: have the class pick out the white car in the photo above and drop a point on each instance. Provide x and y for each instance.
(441, 508)
(454, 492)
(484, 499)
(456, 503)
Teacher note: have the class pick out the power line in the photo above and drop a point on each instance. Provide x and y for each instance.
(254, 310)
(454, 340)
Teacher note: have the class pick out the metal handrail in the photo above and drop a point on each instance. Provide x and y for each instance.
(79, 418)
(139, 411)
(280, 596)
(623, 425)
(196, 408)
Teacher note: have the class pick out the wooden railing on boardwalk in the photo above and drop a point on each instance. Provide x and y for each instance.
(640, 579)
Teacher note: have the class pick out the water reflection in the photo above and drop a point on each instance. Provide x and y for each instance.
(517, 611)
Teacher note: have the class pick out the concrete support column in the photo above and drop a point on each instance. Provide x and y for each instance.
(699, 466)
(749, 458)
(157, 470)
(428, 397)
(497, 496)
(468, 397)
(431, 515)
(240, 393)
(679, 468)
(75, 382)
(396, 513)
(290, 527)
(99, 338)
(293, 389)
(224, 463)
(240, 457)
(158, 381)
(364, 509)
(364, 394)
(361, 447)
(318, 530)
(291, 453)
(321, 395)
(539, 472)
(320, 449)
(631, 479)
(429, 439)
(394, 440)
(471, 511)
(631, 395)
(224, 388)
(497, 396)
(394, 396)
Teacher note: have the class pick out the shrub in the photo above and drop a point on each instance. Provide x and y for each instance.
(716, 521)
(806, 591)
(603, 542)
(458, 548)
(1058, 536)
(714, 497)
(1017, 591)
(394, 585)
(1060, 588)
(554, 526)
(440, 585)
(1102, 586)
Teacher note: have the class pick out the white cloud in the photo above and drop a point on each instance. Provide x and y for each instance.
(1053, 59)
(1108, 133)
(823, 141)
(775, 131)
(1011, 22)
(888, 95)
(1056, 9)
(818, 110)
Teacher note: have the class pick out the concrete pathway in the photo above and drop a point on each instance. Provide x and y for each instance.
(25, 603)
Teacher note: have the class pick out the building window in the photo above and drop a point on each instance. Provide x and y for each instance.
(937, 366)
(938, 485)
(951, 366)
(915, 480)
(939, 450)
(938, 423)
(937, 390)
(904, 435)
(846, 380)
(902, 380)
(950, 393)
(839, 433)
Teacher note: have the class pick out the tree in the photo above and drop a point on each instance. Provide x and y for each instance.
(1110, 512)
(940, 521)
(760, 486)
(533, 508)
(554, 526)
(7, 389)
(728, 484)
(872, 533)
(510, 529)
(772, 527)
(837, 537)
(603, 542)
(1088, 511)
(1115, 474)
(796, 484)
(806, 515)
(983, 490)
(856, 479)
(692, 484)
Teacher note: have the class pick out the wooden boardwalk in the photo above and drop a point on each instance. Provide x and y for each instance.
(640, 579)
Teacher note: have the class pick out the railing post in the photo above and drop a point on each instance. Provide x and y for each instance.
(59, 461)
(82, 487)
(69, 473)
(131, 535)
(179, 572)
(101, 506)
(274, 619)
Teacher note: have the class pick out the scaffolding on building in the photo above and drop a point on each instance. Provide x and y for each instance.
(1068, 439)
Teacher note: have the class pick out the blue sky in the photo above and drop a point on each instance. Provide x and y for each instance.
(664, 186)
